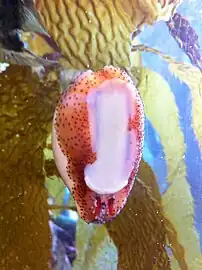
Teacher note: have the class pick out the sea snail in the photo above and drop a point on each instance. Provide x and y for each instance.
(97, 138)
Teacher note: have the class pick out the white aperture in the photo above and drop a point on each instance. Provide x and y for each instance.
(110, 105)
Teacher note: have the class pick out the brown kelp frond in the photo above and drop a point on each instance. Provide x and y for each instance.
(173, 244)
(139, 231)
(50, 167)
(161, 110)
(191, 76)
(26, 109)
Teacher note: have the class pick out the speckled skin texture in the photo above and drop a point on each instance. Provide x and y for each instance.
(73, 134)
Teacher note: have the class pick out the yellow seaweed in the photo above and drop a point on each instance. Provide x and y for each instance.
(192, 77)
(96, 250)
(89, 34)
(26, 108)
(92, 34)
(161, 110)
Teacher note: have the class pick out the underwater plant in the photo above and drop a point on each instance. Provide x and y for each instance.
(154, 230)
